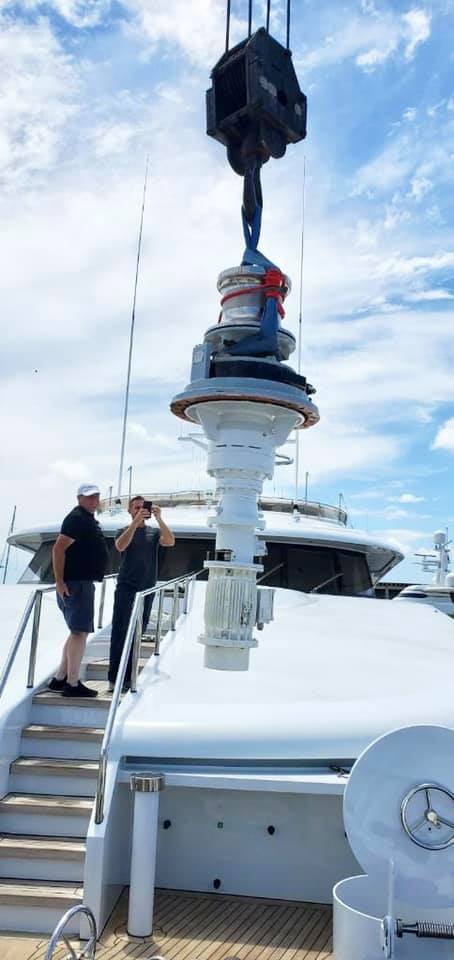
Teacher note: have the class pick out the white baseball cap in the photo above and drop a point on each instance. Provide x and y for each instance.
(87, 490)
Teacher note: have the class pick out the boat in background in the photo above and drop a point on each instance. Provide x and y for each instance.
(439, 592)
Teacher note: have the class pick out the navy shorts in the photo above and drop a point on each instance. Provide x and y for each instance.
(78, 609)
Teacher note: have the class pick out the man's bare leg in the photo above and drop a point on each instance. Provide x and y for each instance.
(73, 652)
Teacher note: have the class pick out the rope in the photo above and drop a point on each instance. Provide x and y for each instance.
(268, 11)
(288, 24)
(249, 21)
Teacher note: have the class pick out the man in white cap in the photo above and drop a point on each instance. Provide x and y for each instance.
(79, 558)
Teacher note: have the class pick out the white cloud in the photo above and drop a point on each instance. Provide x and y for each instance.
(79, 13)
(427, 295)
(407, 498)
(69, 469)
(416, 30)
(410, 114)
(194, 28)
(39, 85)
(371, 40)
(444, 439)
(137, 431)
(419, 187)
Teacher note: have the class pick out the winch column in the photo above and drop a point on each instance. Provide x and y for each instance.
(247, 402)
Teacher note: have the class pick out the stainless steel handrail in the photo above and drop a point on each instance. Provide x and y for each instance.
(33, 604)
(102, 597)
(89, 951)
(132, 642)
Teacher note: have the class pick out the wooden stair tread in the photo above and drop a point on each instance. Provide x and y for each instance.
(53, 697)
(40, 893)
(50, 765)
(58, 732)
(46, 803)
(64, 848)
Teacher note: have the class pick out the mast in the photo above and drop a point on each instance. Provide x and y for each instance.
(131, 338)
(300, 322)
(7, 549)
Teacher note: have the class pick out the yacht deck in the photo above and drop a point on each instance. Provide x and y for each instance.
(205, 927)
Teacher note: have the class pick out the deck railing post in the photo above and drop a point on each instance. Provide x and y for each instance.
(186, 594)
(34, 640)
(136, 646)
(175, 605)
(157, 643)
(101, 603)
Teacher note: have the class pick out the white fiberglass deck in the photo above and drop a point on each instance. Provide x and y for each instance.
(330, 674)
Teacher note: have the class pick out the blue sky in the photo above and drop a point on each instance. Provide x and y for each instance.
(88, 89)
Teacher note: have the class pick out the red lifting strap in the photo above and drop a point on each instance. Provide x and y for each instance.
(273, 284)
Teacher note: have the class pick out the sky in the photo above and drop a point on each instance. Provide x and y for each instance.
(88, 90)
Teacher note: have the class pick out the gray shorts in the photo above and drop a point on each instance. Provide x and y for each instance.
(78, 609)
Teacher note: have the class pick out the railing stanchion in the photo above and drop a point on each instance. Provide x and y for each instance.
(101, 789)
(157, 643)
(175, 603)
(101, 603)
(186, 594)
(34, 640)
(136, 647)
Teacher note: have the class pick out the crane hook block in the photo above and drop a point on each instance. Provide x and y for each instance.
(255, 106)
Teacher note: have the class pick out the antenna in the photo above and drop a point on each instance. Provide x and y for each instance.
(6, 552)
(300, 321)
(131, 338)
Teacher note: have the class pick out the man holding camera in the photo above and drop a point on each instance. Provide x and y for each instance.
(138, 545)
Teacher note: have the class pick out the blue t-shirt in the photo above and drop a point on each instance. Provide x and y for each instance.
(139, 563)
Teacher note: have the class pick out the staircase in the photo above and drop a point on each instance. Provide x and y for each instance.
(45, 816)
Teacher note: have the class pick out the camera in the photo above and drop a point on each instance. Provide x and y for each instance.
(147, 505)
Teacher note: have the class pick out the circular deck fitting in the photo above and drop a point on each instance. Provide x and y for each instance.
(241, 390)
(399, 807)
(217, 336)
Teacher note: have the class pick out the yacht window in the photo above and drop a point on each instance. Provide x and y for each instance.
(40, 568)
(294, 567)
(306, 568)
(186, 556)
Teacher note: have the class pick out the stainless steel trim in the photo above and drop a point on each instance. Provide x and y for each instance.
(109, 576)
(157, 643)
(34, 640)
(136, 645)
(147, 782)
(89, 951)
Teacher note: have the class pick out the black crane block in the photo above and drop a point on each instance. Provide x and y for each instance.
(255, 106)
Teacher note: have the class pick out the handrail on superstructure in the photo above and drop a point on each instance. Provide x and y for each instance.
(132, 644)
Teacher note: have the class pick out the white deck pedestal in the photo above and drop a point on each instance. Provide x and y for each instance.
(143, 853)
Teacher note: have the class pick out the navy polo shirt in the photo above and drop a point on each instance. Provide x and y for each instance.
(139, 564)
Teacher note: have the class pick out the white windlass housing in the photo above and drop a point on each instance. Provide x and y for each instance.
(247, 405)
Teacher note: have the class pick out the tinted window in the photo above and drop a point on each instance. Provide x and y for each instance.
(305, 568)
(285, 565)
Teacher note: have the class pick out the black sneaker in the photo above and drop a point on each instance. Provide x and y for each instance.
(80, 690)
(56, 685)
